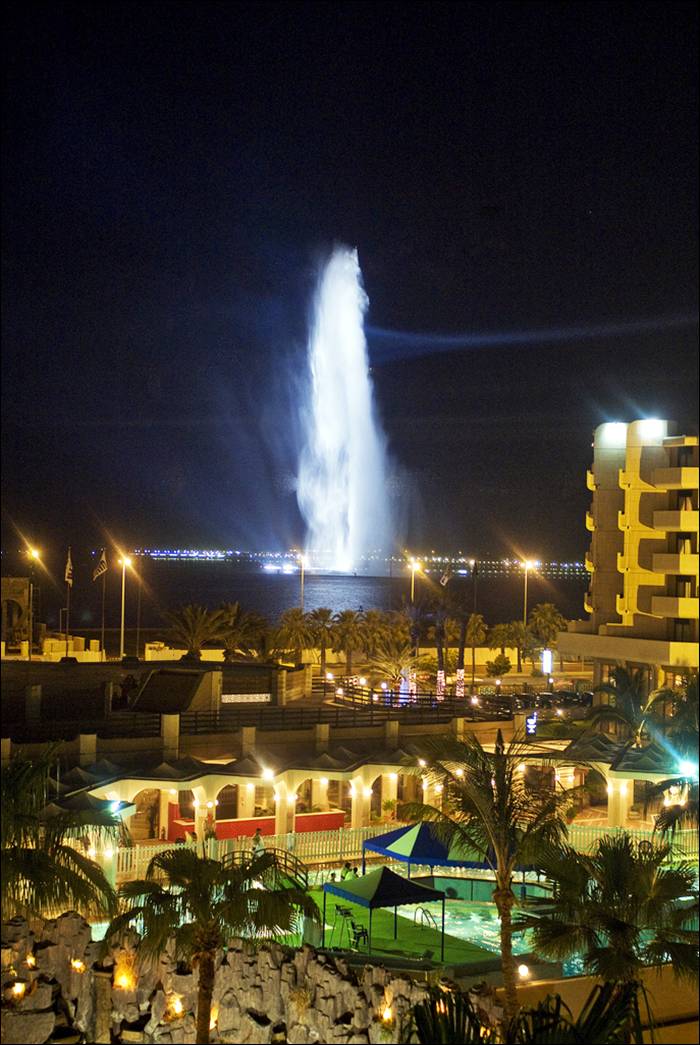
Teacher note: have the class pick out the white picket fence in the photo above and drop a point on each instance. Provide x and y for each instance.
(584, 837)
(333, 847)
(312, 847)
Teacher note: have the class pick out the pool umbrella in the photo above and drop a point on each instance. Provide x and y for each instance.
(421, 844)
(383, 888)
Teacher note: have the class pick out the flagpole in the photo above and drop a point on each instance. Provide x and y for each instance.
(102, 639)
(67, 614)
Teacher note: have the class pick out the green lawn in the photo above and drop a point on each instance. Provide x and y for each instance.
(411, 941)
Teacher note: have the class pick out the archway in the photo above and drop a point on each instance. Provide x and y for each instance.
(144, 823)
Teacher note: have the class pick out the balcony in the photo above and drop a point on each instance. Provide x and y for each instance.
(588, 602)
(590, 480)
(676, 478)
(588, 563)
(630, 565)
(683, 563)
(676, 522)
(631, 522)
(624, 609)
(629, 480)
(674, 606)
(590, 523)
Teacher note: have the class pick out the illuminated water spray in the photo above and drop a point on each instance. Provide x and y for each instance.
(341, 486)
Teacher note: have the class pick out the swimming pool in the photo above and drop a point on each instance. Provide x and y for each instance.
(480, 924)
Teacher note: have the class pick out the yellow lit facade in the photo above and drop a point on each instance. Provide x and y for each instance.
(643, 557)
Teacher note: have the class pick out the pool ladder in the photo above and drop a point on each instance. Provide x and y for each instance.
(422, 916)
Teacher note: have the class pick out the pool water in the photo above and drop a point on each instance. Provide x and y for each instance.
(480, 924)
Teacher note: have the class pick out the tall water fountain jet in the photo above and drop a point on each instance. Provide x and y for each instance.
(341, 485)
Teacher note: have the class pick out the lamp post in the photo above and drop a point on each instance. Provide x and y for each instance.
(527, 565)
(415, 566)
(34, 557)
(302, 564)
(125, 561)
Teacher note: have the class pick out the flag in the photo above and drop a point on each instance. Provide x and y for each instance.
(101, 566)
(68, 577)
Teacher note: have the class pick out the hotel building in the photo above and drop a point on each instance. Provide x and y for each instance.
(643, 557)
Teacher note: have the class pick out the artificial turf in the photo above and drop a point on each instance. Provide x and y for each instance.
(412, 940)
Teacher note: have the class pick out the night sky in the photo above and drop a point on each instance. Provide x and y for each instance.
(174, 173)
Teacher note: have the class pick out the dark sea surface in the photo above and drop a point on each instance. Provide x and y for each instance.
(167, 585)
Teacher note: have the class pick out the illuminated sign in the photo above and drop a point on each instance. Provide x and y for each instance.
(245, 698)
(546, 662)
(531, 725)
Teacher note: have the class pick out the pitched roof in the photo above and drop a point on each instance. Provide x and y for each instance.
(593, 747)
(168, 690)
(650, 759)
(382, 888)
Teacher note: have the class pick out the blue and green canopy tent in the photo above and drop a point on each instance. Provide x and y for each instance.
(421, 844)
(383, 888)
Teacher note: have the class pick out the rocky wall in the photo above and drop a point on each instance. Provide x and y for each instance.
(58, 987)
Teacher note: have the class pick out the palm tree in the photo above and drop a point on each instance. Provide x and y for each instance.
(439, 630)
(499, 637)
(620, 909)
(546, 622)
(44, 872)
(518, 638)
(626, 709)
(491, 807)
(242, 631)
(194, 626)
(320, 622)
(606, 1017)
(394, 658)
(201, 903)
(375, 626)
(347, 635)
(673, 713)
(459, 612)
(476, 636)
(295, 632)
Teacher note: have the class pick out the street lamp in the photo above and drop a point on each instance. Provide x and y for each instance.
(414, 566)
(34, 556)
(527, 565)
(302, 566)
(125, 561)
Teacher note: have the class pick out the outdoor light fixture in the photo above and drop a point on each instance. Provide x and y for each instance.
(421, 762)
(368, 792)
(92, 852)
(688, 769)
(77, 965)
(339, 691)
(323, 781)
(31, 961)
(362, 680)
(329, 676)
(523, 971)
(250, 787)
(19, 988)
(459, 772)
(108, 854)
(475, 700)
(267, 774)
(387, 1013)
(383, 685)
(114, 806)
